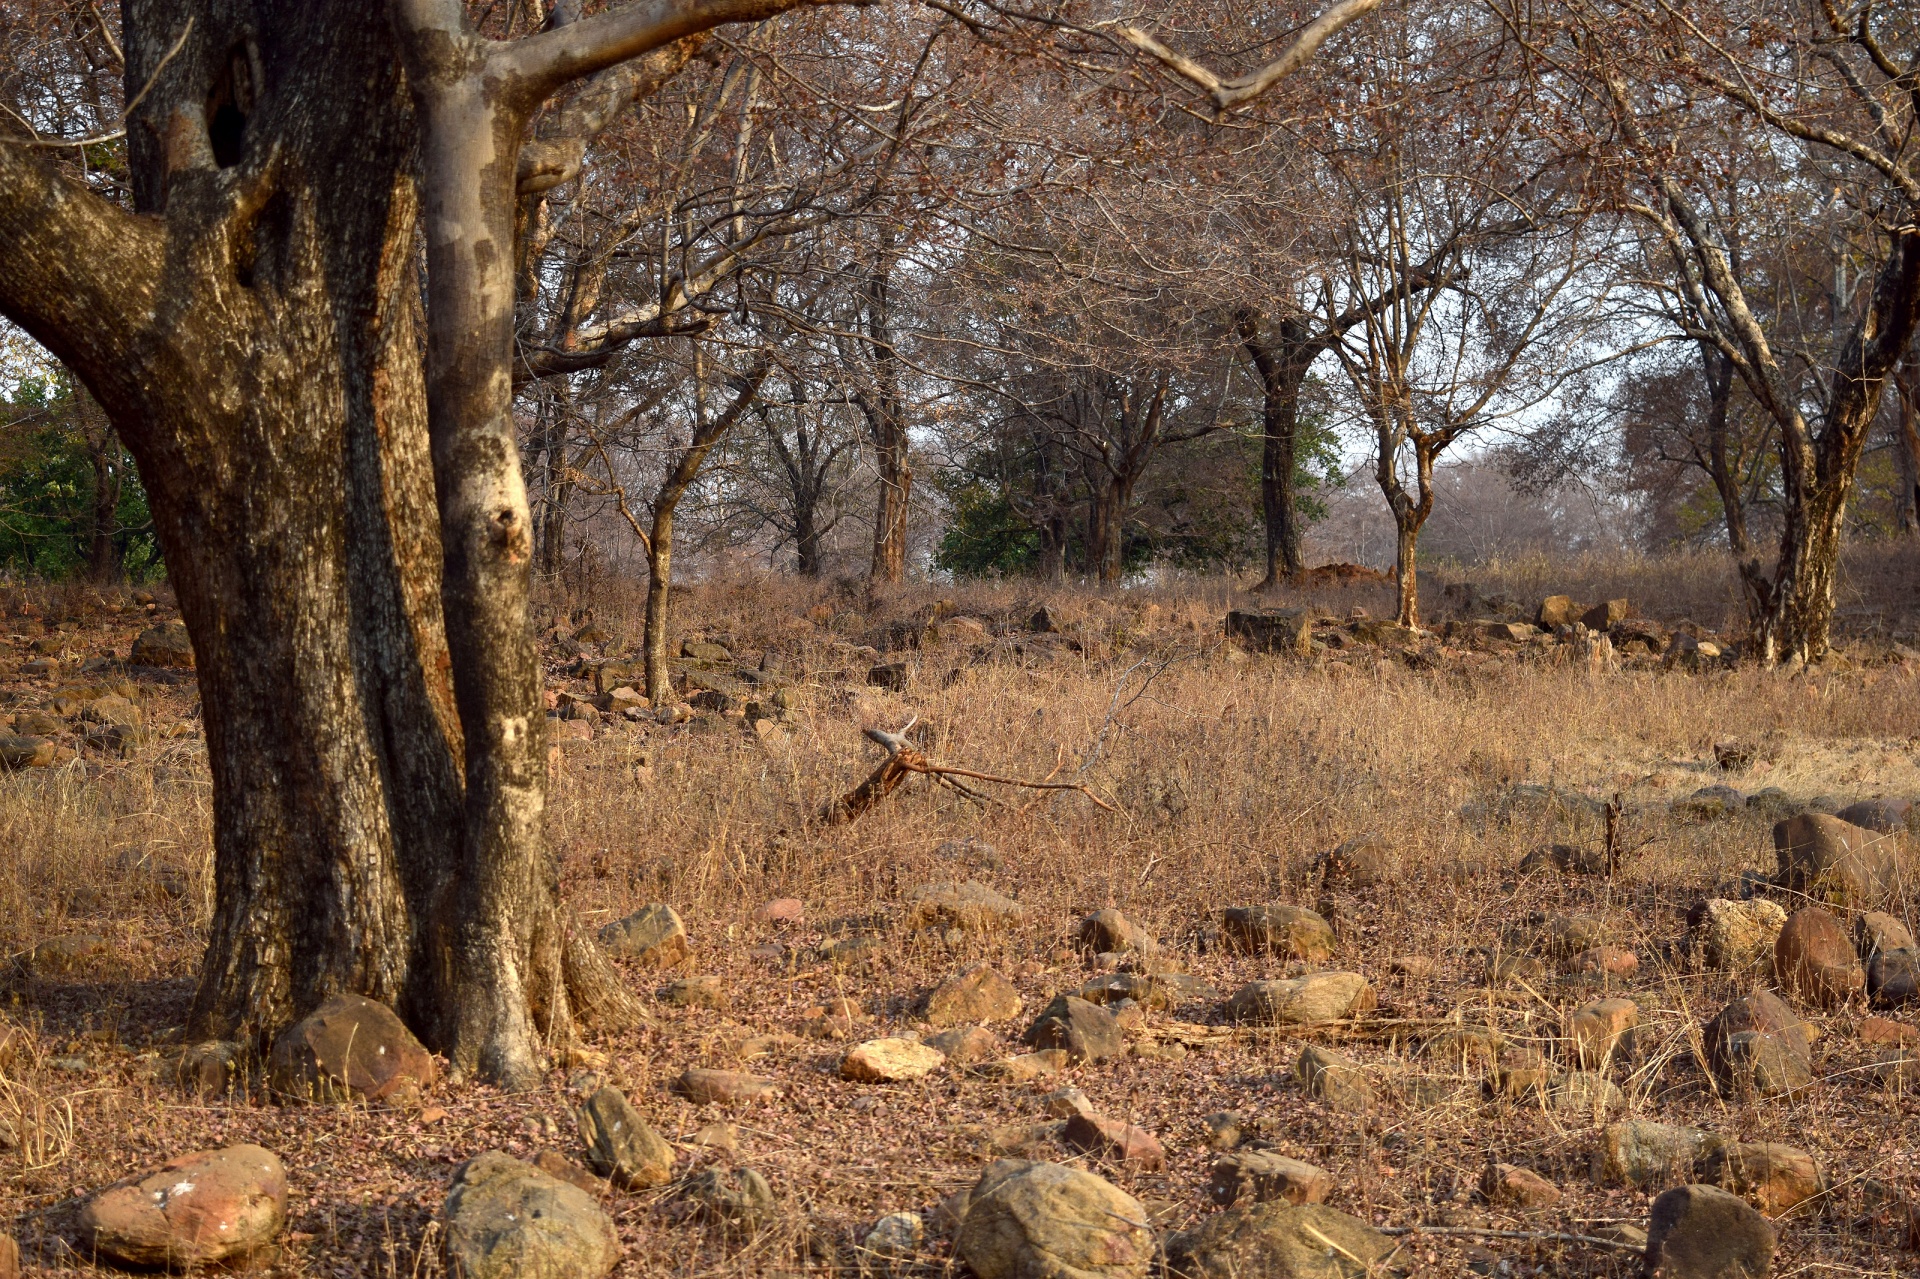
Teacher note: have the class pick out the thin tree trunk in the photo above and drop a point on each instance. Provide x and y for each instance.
(1907, 443)
(1719, 370)
(103, 454)
(659, 580)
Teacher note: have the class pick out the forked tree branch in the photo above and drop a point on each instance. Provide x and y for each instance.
(903, 761)
(1228, 94)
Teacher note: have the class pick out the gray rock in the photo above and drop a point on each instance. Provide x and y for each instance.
(1280, 630)
(620, 1144)
(508, 1220)
(1582, 1094)
(1048, 1221)
(1703, 1232)
(1282, 1241)
(1086, 1032)
(1760, 1043)
(1109, 931)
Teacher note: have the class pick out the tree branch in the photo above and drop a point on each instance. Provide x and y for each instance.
(1228, 94)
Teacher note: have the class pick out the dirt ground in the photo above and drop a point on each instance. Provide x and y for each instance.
(1228, 774)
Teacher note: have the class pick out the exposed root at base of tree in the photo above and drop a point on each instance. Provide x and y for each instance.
(903, 761)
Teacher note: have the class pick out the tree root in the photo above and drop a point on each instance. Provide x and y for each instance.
(903, 761)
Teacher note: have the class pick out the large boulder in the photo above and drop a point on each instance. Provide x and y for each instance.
(1835, 861)
(1814, 959)
(350, 1048)
(653, 935)
(1048, 1221)
(1291, 932)
(1084, 1031)
(1736, 936)
(621, 1145)
(1703, 1232)
(508, 1220)
(202, 1209)
(1281, 1241)
(1302, 1001)
(976, 994)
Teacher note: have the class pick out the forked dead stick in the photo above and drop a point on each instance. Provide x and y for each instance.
(903, 761)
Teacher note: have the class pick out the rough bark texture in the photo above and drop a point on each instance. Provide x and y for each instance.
(253, 331)
(881, 405)
(1907, 443)
(1719, 465)
(1281, 359)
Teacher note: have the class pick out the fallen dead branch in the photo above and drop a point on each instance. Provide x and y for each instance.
(903, 761)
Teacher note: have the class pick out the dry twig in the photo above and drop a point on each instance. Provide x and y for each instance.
(903, 761)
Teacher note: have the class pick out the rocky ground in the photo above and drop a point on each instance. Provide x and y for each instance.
(1369, 951)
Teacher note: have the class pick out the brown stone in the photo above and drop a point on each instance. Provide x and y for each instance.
(1703, 1232)
(1113, 1139)
(1772, 1177)
(976, 994)
(561, 1168)
(969, 906)
(1333, 1079)
(1038, 1220)
(965, 1045)
(1291, 932)
(199, 1209)
(1510, 1186)
(1602, 1031)
(1883, 1030)
(1877, 931)
(1311, 1000)
(1109, 931)
(1736, 935)
(1556, 611)
(1835, 861)
(1261, 1176)
(621, 1145)
(1814, 960)
(1784, 1036)
(1084, 1031)
(888, 1061)
(1605, 961)
(702, 1086)
(350, 1048)
(165, 645)
(1283, 1241)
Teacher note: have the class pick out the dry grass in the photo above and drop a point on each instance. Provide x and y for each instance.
(1231, 773)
